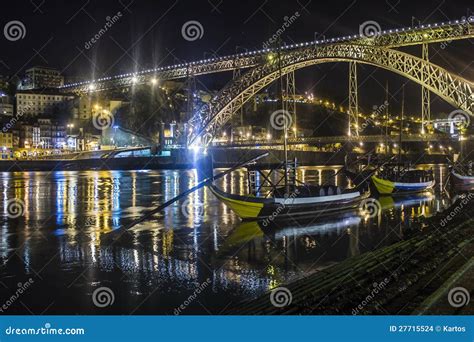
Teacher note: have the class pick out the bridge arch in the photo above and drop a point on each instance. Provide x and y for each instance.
(454, 89)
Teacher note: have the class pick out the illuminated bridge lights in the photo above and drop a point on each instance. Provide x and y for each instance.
(390, 38)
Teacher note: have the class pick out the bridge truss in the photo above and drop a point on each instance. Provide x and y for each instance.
(261, 71)
(453, 89)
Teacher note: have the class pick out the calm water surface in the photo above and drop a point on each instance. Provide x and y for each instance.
(63, 241)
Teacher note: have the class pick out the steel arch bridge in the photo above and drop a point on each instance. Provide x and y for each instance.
(393, 38)
(453, 89)
(378, 51)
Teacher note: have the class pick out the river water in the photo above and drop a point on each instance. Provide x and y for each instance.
(195, 257)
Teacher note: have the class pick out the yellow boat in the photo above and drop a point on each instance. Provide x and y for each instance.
(302, 201)
(388, 187)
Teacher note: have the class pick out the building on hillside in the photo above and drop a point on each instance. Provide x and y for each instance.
(16, 137)
(58, 135)
(85, 108)
(82, 108)
(32, 103)
(6, 109)
(41, 77)
(6, 140)
(45, 132)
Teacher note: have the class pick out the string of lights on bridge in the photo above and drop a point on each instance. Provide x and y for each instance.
(92, 84)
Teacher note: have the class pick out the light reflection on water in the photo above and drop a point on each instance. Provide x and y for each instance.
(61, 240)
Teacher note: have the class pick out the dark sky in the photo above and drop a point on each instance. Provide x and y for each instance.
(149, 34)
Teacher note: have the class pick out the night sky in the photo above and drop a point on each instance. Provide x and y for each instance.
(148, 34)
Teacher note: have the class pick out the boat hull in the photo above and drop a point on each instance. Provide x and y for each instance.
(462, 183)
(387, 187)
(258, 208)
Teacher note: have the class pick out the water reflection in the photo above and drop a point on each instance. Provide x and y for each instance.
(62, 240)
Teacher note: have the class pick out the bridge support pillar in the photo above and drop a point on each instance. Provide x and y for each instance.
(190, 87)
(290, 105)
(353, 110)
(425, 93)
(235, 75)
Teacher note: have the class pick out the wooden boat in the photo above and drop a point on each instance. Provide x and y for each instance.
(401, 179)
(412, 181)
(461, 183)
(303, 201)
(270, 201)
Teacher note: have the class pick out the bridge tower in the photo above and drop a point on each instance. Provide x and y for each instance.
(190, 86)
(353, 110)
(236, 72)
(425, 93)
(290, 105)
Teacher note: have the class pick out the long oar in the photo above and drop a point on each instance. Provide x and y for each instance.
(204, 182)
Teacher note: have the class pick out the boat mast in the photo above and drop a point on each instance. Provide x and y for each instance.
(400, 132)
(285, 142)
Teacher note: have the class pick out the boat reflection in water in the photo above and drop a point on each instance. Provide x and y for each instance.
(331, 225)
(421, 199)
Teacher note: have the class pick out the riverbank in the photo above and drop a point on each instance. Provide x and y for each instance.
(184, 159)
(412, 276)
